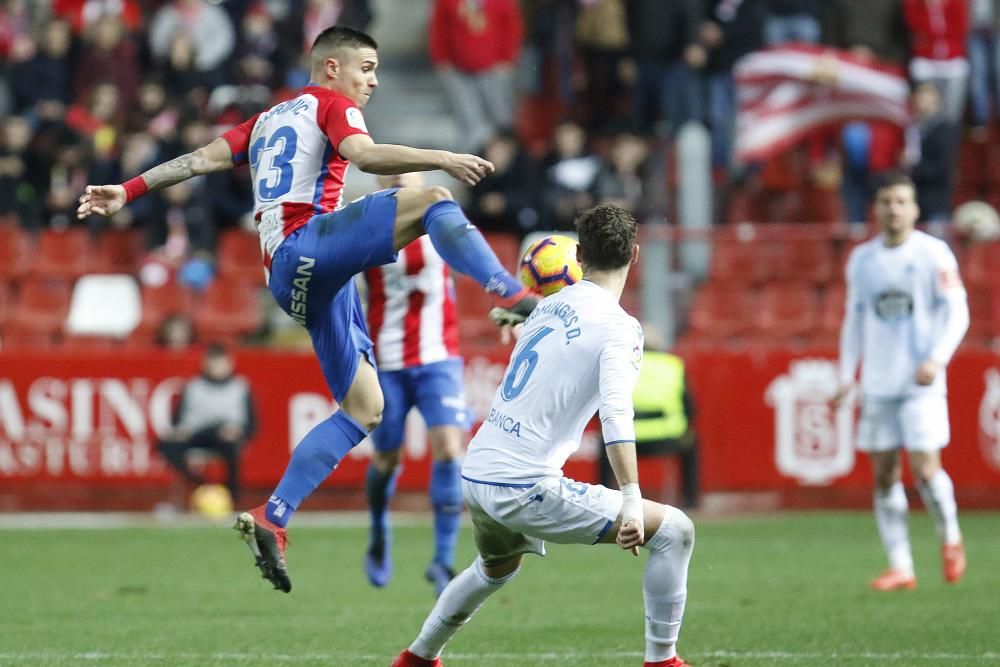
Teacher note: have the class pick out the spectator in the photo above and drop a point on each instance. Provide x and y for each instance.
(41, 81)
(793, 21)
(176, 332)
(18, 196)
(569, 172)
(208, 28)
(939, 30)
(82, 14)
(108, 56)
(620, 180)
(216, 413)
(984, 64)
(934, 170)
(870, 29)
(733, 29)
(664, 416)
(663, 38)
(474, 47)
(506, 200)
(602, 38)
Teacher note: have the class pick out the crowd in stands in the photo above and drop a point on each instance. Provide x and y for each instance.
(575, 101)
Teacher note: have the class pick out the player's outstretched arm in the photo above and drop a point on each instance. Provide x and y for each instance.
(109, 199)
(388, 159)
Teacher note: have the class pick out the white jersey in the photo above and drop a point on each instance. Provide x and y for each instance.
(905, 304)
(578, 351)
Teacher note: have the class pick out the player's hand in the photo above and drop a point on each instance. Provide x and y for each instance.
(469, 169)
(509, 333)
(101, 200)
(630, 536)
(839, 398)
(927, 371)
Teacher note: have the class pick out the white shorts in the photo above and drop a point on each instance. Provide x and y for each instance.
(513, 519)
(919, 423)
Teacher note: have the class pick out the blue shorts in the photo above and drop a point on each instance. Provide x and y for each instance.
(312, 275)
(435, 389)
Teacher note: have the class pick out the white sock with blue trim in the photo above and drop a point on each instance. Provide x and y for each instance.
(664, 585)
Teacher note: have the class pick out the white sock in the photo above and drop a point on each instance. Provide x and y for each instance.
(458, 602)
(664, 585)
(891, 511)
(938, 495)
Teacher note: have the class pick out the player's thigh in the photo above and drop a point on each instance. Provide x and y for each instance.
(924, 419)
(496, 542)
(653, 514)
(879, 428)
(388, 437)
(411, 204)
(438, 392)
(560, 510)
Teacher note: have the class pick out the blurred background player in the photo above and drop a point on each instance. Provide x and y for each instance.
(577, 353)
(215, 414)
(414, 326)
(313, 246)
(664, 416)
(906, 313)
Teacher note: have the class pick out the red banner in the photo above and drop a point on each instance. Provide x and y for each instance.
(87, 421)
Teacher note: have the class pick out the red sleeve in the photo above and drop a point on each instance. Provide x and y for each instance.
(513, 34)
(238, 139)
(340, 118)
(437, 38)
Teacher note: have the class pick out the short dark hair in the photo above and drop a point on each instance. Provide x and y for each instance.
(894, 178)
(607, 236)
(216, 349)
(339, 36)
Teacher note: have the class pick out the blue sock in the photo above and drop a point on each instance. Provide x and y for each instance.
(463, 247)
(380, 487)
(446, 497)
(312, 462)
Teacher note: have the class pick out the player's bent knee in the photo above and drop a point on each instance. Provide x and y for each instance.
(676, 531)
(436, 193)
(386, 461)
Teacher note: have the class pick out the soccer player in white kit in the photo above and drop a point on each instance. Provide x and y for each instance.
(578, 352)
(906, 313)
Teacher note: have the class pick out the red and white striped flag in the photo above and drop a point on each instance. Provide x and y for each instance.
(786, 93)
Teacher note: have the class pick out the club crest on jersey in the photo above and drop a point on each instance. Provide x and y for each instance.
(355, 119)
(893, 304)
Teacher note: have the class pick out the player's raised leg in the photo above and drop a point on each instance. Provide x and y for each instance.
(938, 494)
(459, 242)
(891, 515)
(263, 528)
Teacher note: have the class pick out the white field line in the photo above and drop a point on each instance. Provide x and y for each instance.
(97, 657)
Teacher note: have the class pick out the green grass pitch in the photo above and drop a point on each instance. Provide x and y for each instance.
(787, 589)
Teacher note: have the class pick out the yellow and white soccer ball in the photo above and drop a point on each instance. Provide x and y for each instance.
(212, 501)
(549, 264)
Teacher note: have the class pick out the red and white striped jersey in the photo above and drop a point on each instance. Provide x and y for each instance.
(295, 168)
(411, 309)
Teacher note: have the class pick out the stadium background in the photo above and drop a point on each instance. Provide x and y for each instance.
(741, 267)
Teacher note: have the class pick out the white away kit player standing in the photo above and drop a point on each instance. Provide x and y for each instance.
(578, 352)
(906, 313)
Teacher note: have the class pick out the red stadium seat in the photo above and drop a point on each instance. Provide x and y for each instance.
(62, 254)
(115, 251)
(160, 302)
(720, 313)
(784, 312)
(809, 261)
(239, 257)
(41, 309)
(227, 311)
(982, 264)
(981, 320)
(737, 263)
(6, 302)
(15, 252)
(471, 299)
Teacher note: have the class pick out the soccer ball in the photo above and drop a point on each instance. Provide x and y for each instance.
(549, 264)
(212, 501)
